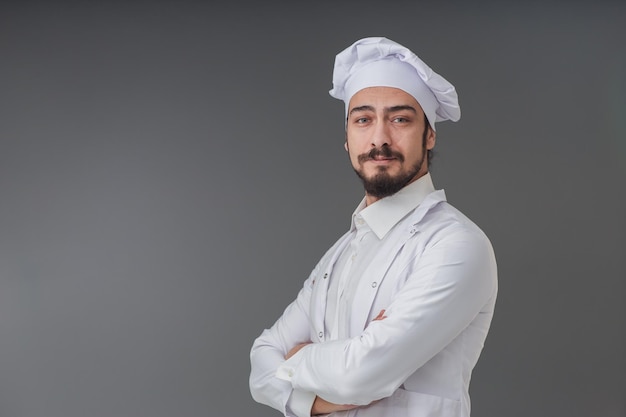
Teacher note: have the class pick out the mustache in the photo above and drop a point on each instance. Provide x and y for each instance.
(384, 152)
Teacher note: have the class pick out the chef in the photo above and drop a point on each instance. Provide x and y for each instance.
(393, 318)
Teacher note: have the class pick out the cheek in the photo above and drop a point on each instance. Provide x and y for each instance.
(413, 155)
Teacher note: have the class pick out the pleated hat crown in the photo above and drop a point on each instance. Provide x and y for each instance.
(381, 62)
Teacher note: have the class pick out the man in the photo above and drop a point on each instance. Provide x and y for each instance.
(393, 318)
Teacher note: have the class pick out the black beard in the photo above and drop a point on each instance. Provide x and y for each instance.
(382, 184)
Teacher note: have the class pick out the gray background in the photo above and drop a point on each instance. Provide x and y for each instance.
(171, 171)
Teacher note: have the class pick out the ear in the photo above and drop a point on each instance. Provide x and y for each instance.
(345, 146)
(431, 138)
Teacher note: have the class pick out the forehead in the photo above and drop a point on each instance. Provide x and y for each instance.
(383, 97)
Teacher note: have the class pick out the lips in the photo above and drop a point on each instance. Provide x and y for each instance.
(381, 159)
(383, 154)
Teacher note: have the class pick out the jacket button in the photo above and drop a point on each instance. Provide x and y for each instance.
(326, 275)
(321, 334)
(374, 284)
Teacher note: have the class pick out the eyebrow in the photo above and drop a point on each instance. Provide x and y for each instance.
(391, 109)
(361, 108)
(394, 109)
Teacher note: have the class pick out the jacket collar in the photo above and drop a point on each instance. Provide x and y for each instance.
(385, 213)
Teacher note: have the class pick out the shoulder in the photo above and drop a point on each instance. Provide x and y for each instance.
(442, 223)
(448, 238)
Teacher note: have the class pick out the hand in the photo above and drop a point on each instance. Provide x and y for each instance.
(295, 349)
(321, 406)
(380, 316)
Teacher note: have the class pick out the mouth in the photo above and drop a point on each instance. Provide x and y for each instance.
(382, 156)
(382, 159)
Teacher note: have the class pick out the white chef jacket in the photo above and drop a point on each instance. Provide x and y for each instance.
(369, 226)
(434, 274)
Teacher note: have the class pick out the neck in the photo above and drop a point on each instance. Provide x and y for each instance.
(371, 199)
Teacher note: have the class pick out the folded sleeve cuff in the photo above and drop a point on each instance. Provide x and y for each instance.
(300, 403)
(287, 369)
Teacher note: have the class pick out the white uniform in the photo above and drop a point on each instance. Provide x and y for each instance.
(434, 272)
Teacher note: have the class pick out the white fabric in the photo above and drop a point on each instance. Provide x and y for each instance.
(381, 62)
(435, 275)
(364, 243)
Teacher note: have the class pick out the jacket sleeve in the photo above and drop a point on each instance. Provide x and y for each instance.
(446, 288)
(268, 353)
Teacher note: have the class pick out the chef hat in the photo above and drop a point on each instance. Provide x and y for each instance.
(381, 62)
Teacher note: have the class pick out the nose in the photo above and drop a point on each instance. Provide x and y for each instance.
(380, 135)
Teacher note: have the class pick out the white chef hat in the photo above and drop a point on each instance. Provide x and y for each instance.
(381, 62)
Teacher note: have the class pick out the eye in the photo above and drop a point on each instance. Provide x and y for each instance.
(400, 119)
(361, 120)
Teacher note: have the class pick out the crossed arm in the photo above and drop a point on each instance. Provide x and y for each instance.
(439, 299)
(321, 406)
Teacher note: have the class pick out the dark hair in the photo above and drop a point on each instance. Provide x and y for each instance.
(429, 153)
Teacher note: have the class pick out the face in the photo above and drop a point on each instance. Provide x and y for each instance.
(387, 138)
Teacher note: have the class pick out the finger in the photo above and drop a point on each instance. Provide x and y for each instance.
(380, 315)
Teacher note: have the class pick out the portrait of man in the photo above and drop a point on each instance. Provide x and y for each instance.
(394, 316)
